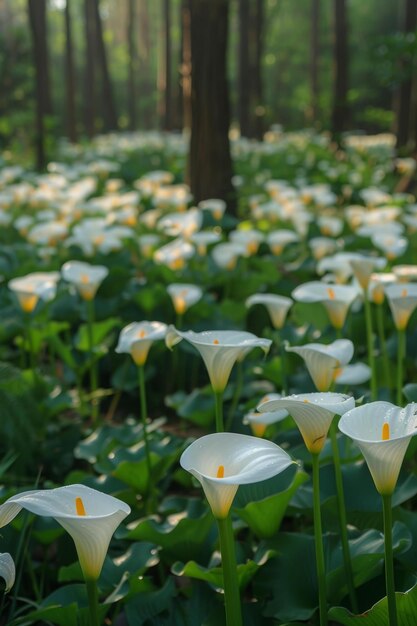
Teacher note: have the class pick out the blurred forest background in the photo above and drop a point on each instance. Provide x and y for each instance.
(77, 68)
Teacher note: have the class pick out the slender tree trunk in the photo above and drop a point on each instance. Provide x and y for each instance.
(406, 87)
(131, 84)
(258, 124)
(244, 89)
(90, 71)
(37, 19)
(314, 60)
(70, 76)
(210, 165)
(144, 66)
(109, 110)
(340, 112)
(168, 52)
(186, 63)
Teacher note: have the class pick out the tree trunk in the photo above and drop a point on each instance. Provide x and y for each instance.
(340, 112)
(210, 165)
(70, 77)
(131, 84)
(109, 110)
(244, 89)
(90, 71)
(185, 68)
(147, 114)
(406, 87)
(314, 61)
(168, 81)
(250, 96)
(37, 19)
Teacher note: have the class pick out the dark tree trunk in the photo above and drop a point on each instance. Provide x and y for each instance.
(131, 84)
(250, 96)
(244, 89)
(145, 87)
(90, 70)
(340, 112)
(168, 81)
(37, 19)
(314, 61)
(210, 165)
(185, 68)
(109, 110)
(70, 77)
(406, 87)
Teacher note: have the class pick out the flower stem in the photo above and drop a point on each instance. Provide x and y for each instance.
(92, 593)
(230, 579)
(400, 366)
(383, 343)
(318, 537)
(29, 337)
(236, 395)
(93, 366)
(284, 380)
(370, 342)
(218, 396)
(342, 518)
(144, 417)
(389, 561)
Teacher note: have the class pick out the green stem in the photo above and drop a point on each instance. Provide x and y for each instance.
(389, 561)
(318, 537)
(236, 395)
(400, 365)
(383, 344)
(230, 579)
(144, 418)
(283, 355)
(339, 334)
(370, 342)
(92, 593)
(218, 396)
(29, 337)
(342, 518)
(93, 366)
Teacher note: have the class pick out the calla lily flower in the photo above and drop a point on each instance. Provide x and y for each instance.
(323, 361)
(85, 277)
(335, 298)
(225, 255)
(259, 422)
(277, 240)
(277, 306)
(32, 287)
(402, 299)
(136, 339)
(220, 349)
(355, 374)
(7, 570)
(89, 516)
(249, 239)
(313, 413)
(382, 431)
(183, 296)
(223, 461)
(363, 266)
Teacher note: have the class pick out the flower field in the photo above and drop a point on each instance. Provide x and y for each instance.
(208, 419)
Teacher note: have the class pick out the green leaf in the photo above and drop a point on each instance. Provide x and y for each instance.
(147, 606)
(378, 614)
(100, 332)
(181, 536)
(264, 513)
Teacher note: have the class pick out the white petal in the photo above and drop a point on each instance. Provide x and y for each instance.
(7, 570)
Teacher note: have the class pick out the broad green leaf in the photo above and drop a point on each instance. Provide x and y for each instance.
(378, 614)
(147, 606)
(264, 513)
(100, 332)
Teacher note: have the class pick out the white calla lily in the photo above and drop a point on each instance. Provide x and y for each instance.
(220, 349)
(323, 360)
(32, 287)
(259, 422)
(7, 570)
(136, 339)
(277, 306)
(223, 461)
(335, 298)
(402, 299)
(89, 516)
(85, 277)
(313, 413)
(355, 374)
(363, 266)
(382, 431)
(183, 296)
